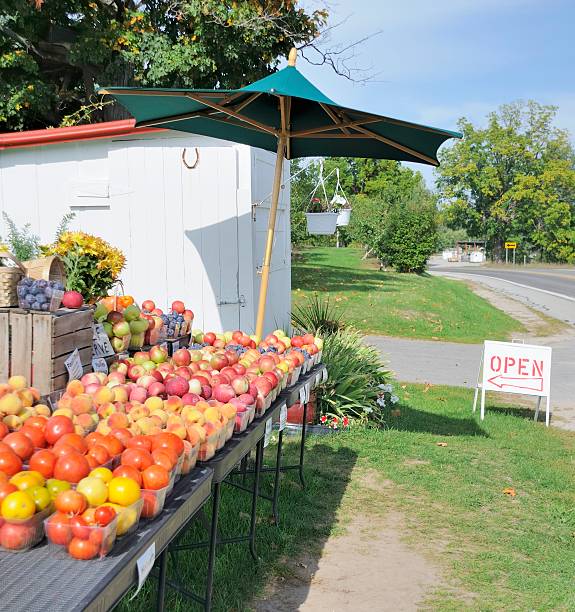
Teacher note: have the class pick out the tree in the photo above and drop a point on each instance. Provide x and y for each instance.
(55, 53)
(514, 179)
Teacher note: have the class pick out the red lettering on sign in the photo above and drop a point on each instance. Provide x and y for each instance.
(495, 360)
(537, 368)
(509, 363)
(523, 361)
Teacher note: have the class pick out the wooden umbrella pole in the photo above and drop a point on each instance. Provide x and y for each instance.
(270, 236)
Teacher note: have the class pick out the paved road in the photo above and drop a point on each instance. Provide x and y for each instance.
(558, 281)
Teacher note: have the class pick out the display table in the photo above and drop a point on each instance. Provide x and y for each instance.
(37, 580)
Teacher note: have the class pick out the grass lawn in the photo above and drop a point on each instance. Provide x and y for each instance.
(393, 304)
(495, 551)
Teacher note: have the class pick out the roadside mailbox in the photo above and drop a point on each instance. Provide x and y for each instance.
(512, 367)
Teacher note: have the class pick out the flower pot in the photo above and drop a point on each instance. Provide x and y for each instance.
(321, 224)
(343, 217)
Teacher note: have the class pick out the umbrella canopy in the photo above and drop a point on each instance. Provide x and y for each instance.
(285, 113)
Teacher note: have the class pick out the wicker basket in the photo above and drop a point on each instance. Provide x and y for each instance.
(47, 268)
(10, 275)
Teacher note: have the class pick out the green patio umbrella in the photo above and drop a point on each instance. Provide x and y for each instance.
(285, 113)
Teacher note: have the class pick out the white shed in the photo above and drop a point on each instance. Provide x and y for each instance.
(195, 234)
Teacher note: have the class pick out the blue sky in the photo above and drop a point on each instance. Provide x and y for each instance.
(439, 60)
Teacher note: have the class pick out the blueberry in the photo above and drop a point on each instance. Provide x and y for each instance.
(42, 283)
(30, 297)
(21, 291)
(36, 306)
(45, 306)
(24, 304)
(48, 292)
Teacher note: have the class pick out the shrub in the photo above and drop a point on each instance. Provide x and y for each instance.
(409, 238)
(317, 316)
(356, 386)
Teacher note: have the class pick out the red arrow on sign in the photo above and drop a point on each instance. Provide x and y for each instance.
(533, 384)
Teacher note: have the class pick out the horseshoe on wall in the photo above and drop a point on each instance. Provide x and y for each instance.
(190, 166)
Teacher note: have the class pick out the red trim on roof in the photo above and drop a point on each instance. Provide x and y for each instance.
(92, 131)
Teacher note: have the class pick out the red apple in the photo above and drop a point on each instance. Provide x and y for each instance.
(223, 393)
(178, 306)
(138, 394)
(239, 369)
(209, 338)
(135, 371)
(181, 357)
(140, 357)
(194, 386)
(156, 388)
(240, 385)
(148, 305)
(191, 399)
(177, 386)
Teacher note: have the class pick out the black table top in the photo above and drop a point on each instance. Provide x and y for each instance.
(36, 580)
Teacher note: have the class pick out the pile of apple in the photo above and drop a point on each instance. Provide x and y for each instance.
(129, 329)
(176, 322)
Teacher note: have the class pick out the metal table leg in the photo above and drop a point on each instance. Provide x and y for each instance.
(255, 493)
(212, 546)
(163, 563)
(302, 445)
(277, 479)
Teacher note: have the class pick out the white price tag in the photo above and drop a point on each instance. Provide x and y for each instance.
(283, 417)
(317, 379)
(101, 343)
(164, 345)
(268, 433)
(145, 564)
(324, 375)
(302, 395)
(175, 346)
(74, 365)
(99, 365)
(307, 391)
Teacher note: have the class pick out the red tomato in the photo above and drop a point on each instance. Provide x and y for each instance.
(92, 462)
(10, 463)
(4, 478)
(155, 477)
(20, 444)
(74, 440)
(35, 434)
(39, 422)
(96, 537)
(93, 438)
(58, 529)
(104, 515)
(70, 502)
(4, 431)
(128, 471)
(168, 440)
(137, 457)
(79, 527)
(122, 434)
(163, 457)
(6, 489)
(43, 461)
(140, 442)
(63, 449)
(82, 549)
(71, 467)
(56, 427)
(99, 453)
(17, 536)
(112, 445)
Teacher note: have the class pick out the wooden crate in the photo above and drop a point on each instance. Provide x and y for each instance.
(36, 344)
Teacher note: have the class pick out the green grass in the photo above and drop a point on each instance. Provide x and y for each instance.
(494, 551)
(393, 304)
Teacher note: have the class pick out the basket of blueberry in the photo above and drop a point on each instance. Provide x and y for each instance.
(40, 294)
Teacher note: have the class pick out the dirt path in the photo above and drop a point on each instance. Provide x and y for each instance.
(368, 567)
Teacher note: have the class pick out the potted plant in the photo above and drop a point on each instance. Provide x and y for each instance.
(321, 221)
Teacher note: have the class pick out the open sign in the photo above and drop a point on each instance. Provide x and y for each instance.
(510, 367)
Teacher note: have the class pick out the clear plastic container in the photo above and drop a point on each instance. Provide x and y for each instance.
(173, 475)
(242, 419)
(229, 429)
(129, 517)
(221, 440)
(153, 502)
(190, 456)
(99, 541)
(21, 535)
(262, 404)
(39, 294)
(125, 344)
(252, 411)
(208, 448)
(178, 466)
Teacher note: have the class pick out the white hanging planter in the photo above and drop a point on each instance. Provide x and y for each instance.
(321, 224)
(344, 217)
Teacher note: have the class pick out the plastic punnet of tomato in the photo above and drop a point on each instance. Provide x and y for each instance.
(19, 535)
(190, 456)
(154, 500)
(74, 536)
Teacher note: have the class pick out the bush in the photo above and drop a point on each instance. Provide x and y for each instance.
(356, 386)
(409, 237)
(316, 316)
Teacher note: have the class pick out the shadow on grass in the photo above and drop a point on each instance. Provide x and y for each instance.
(520, 412)
(419, 421)
(306, 519)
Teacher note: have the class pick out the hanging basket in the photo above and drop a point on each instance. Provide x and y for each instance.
(344, 217)
(47, 268)
(10, 276)
(321, 224)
